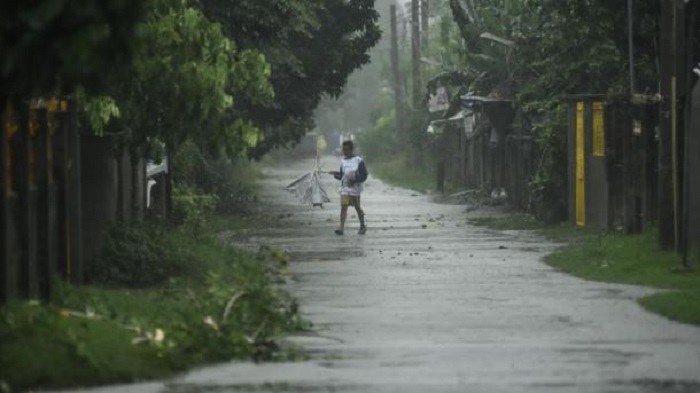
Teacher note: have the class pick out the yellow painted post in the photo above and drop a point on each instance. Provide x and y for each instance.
(580, 167)
(598, 129)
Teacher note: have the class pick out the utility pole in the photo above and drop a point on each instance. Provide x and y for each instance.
(396, 75)
(691, 209)
(673, 75)
(415, 46)
(424, 23)
(681, 93)
(630, 40)
(666, 70)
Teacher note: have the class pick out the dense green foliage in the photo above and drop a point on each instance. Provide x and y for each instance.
(235, 77)
(535, 52)
(376, 141)
(312, 46)
(575, 48)
(184, 82)
(213, 303)
(228, 182)
(208, 83)
(42, 347)
(191, 75)
(139, 256)
(51, 46)
(558, 48)
(403, 160)
(147, 254)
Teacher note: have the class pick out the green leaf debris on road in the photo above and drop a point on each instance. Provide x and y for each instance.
(223, 307)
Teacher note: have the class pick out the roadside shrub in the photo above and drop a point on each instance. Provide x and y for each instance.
(141, 255)
(190, 209)
(230, 181)
(404, 160)
(379, 141)
(549, 186)
(230, 309)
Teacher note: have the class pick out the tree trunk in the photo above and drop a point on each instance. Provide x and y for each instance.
(170, 157)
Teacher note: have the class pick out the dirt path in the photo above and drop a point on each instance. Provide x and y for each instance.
(425, 303)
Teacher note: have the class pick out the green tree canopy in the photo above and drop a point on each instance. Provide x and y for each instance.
(537, 52)
(312, 46)
(50, 46)
(185, 81)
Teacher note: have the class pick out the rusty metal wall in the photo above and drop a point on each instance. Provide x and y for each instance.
(55, 211)
(31, 227)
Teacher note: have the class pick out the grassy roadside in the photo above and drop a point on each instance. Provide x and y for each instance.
(617, 258)
(393, 171)
(220, 305)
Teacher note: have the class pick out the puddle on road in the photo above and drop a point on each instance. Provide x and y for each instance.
(616, 386)
(264, 387)
(325, 256)
(603, 356)
(662, 386)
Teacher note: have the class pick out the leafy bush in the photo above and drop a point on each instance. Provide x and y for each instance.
(228, 309)
(549, 186)
(230, 181)
(380, 140)
(405, 160)
(237, 315)
(141, 255)
(190, 209)
(397, 170)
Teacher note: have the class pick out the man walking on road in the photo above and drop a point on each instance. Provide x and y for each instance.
(353, 172)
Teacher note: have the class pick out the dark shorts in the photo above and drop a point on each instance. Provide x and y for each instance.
(350, 200)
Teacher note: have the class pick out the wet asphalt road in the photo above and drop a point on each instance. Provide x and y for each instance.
(446, 308)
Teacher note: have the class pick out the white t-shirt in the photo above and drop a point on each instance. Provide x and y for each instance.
(348, 185)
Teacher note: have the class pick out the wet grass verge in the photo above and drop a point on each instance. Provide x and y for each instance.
(222, 304)
(616, 258)
(637, 260)
(517, 221)
(395, 172)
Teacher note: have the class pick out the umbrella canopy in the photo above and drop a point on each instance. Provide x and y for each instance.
(309, 190)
